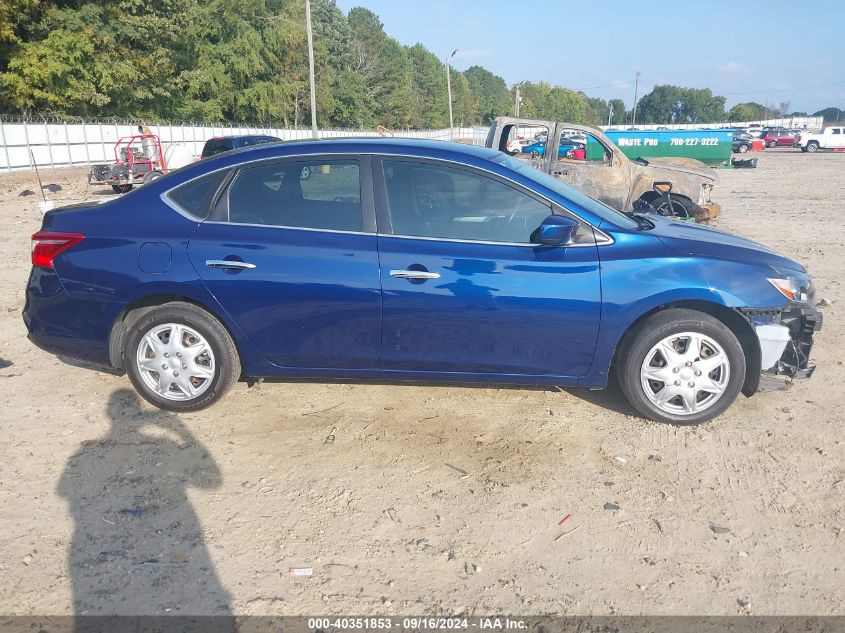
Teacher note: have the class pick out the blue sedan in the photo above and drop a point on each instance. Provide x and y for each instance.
(394, 259)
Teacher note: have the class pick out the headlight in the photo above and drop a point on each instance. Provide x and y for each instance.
(790, 288)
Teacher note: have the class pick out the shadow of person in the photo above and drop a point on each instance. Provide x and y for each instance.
(138, 547)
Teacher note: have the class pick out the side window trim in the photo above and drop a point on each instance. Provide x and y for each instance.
(385, 225)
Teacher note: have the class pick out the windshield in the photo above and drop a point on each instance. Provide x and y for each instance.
(570, 193)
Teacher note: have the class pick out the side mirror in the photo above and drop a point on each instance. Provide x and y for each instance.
(556, 230)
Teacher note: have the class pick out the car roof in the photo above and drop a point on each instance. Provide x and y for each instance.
(361, 145)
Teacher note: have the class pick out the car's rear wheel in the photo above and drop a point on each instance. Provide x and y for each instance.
(681, 366)
(743, 149)
(180, 358)
(121, 188)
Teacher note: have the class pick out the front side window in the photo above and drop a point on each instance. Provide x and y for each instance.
(439, 201)
(318, 194)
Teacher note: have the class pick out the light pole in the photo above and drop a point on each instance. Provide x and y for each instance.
(449, 90)
(311, 67)
(636, 89)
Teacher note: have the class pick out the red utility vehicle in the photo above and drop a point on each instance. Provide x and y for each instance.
(137, 159)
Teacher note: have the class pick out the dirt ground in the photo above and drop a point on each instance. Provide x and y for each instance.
(428, 499)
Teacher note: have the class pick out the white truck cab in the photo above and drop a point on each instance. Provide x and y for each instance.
(830, 138)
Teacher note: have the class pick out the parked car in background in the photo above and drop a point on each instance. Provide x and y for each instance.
(742, 142)
(565, 148)
(409, 260)
(830, 138)
(220, 144)
(778, 138)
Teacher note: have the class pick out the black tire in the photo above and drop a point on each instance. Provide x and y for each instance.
(743, 148)
(681, 207)
(812, 147)
(637, 344)
(152, 175)
(772, 144)
(121, 188)
(227, 368)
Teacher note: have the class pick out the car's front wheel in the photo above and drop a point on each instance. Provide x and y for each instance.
(681, 366)
(180, 358)
(812, 146)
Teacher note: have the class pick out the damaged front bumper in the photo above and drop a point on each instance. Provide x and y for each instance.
(786, 339)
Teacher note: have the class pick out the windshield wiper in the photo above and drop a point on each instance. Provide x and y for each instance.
(642, 222)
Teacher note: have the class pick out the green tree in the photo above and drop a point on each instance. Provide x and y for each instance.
(544, 101)
(429, 103)
(831, 115)
(748, 111)
(619, 111)
(490, 93)
(385, 68)
(674, 104)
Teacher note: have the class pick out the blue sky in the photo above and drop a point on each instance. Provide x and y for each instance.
(746, 50)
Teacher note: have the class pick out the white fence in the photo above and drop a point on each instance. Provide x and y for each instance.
(792, 123)
(56, 144)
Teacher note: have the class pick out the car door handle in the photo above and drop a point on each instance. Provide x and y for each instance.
(227, 263)
(414, 274)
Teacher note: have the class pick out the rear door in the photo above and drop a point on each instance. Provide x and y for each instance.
(289, 251)
(465, 289)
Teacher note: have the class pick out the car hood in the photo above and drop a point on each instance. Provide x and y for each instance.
(701, 241)
(683, 165)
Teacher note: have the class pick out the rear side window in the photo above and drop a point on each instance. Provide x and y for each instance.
(303, 194)
(196, 196)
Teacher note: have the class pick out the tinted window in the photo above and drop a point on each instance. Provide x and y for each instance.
(836, 130)
(307, 194)
(566, 191)
(446, 202)
(196, 196)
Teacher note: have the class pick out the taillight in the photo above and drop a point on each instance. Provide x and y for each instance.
(46, 245)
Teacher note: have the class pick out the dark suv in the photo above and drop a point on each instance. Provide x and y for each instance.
(220, 144)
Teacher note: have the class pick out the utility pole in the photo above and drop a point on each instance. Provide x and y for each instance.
(518, 100)
(636, 90)
(311, 68)
(449, 91)
(609, 113)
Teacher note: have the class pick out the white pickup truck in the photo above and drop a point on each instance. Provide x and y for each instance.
(832, 138)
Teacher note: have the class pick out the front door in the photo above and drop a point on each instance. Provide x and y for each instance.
(464, 288)
(286, 252)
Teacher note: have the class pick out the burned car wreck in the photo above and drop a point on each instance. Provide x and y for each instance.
(602, 171)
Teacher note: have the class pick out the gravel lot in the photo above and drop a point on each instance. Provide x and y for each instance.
(439, 499)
